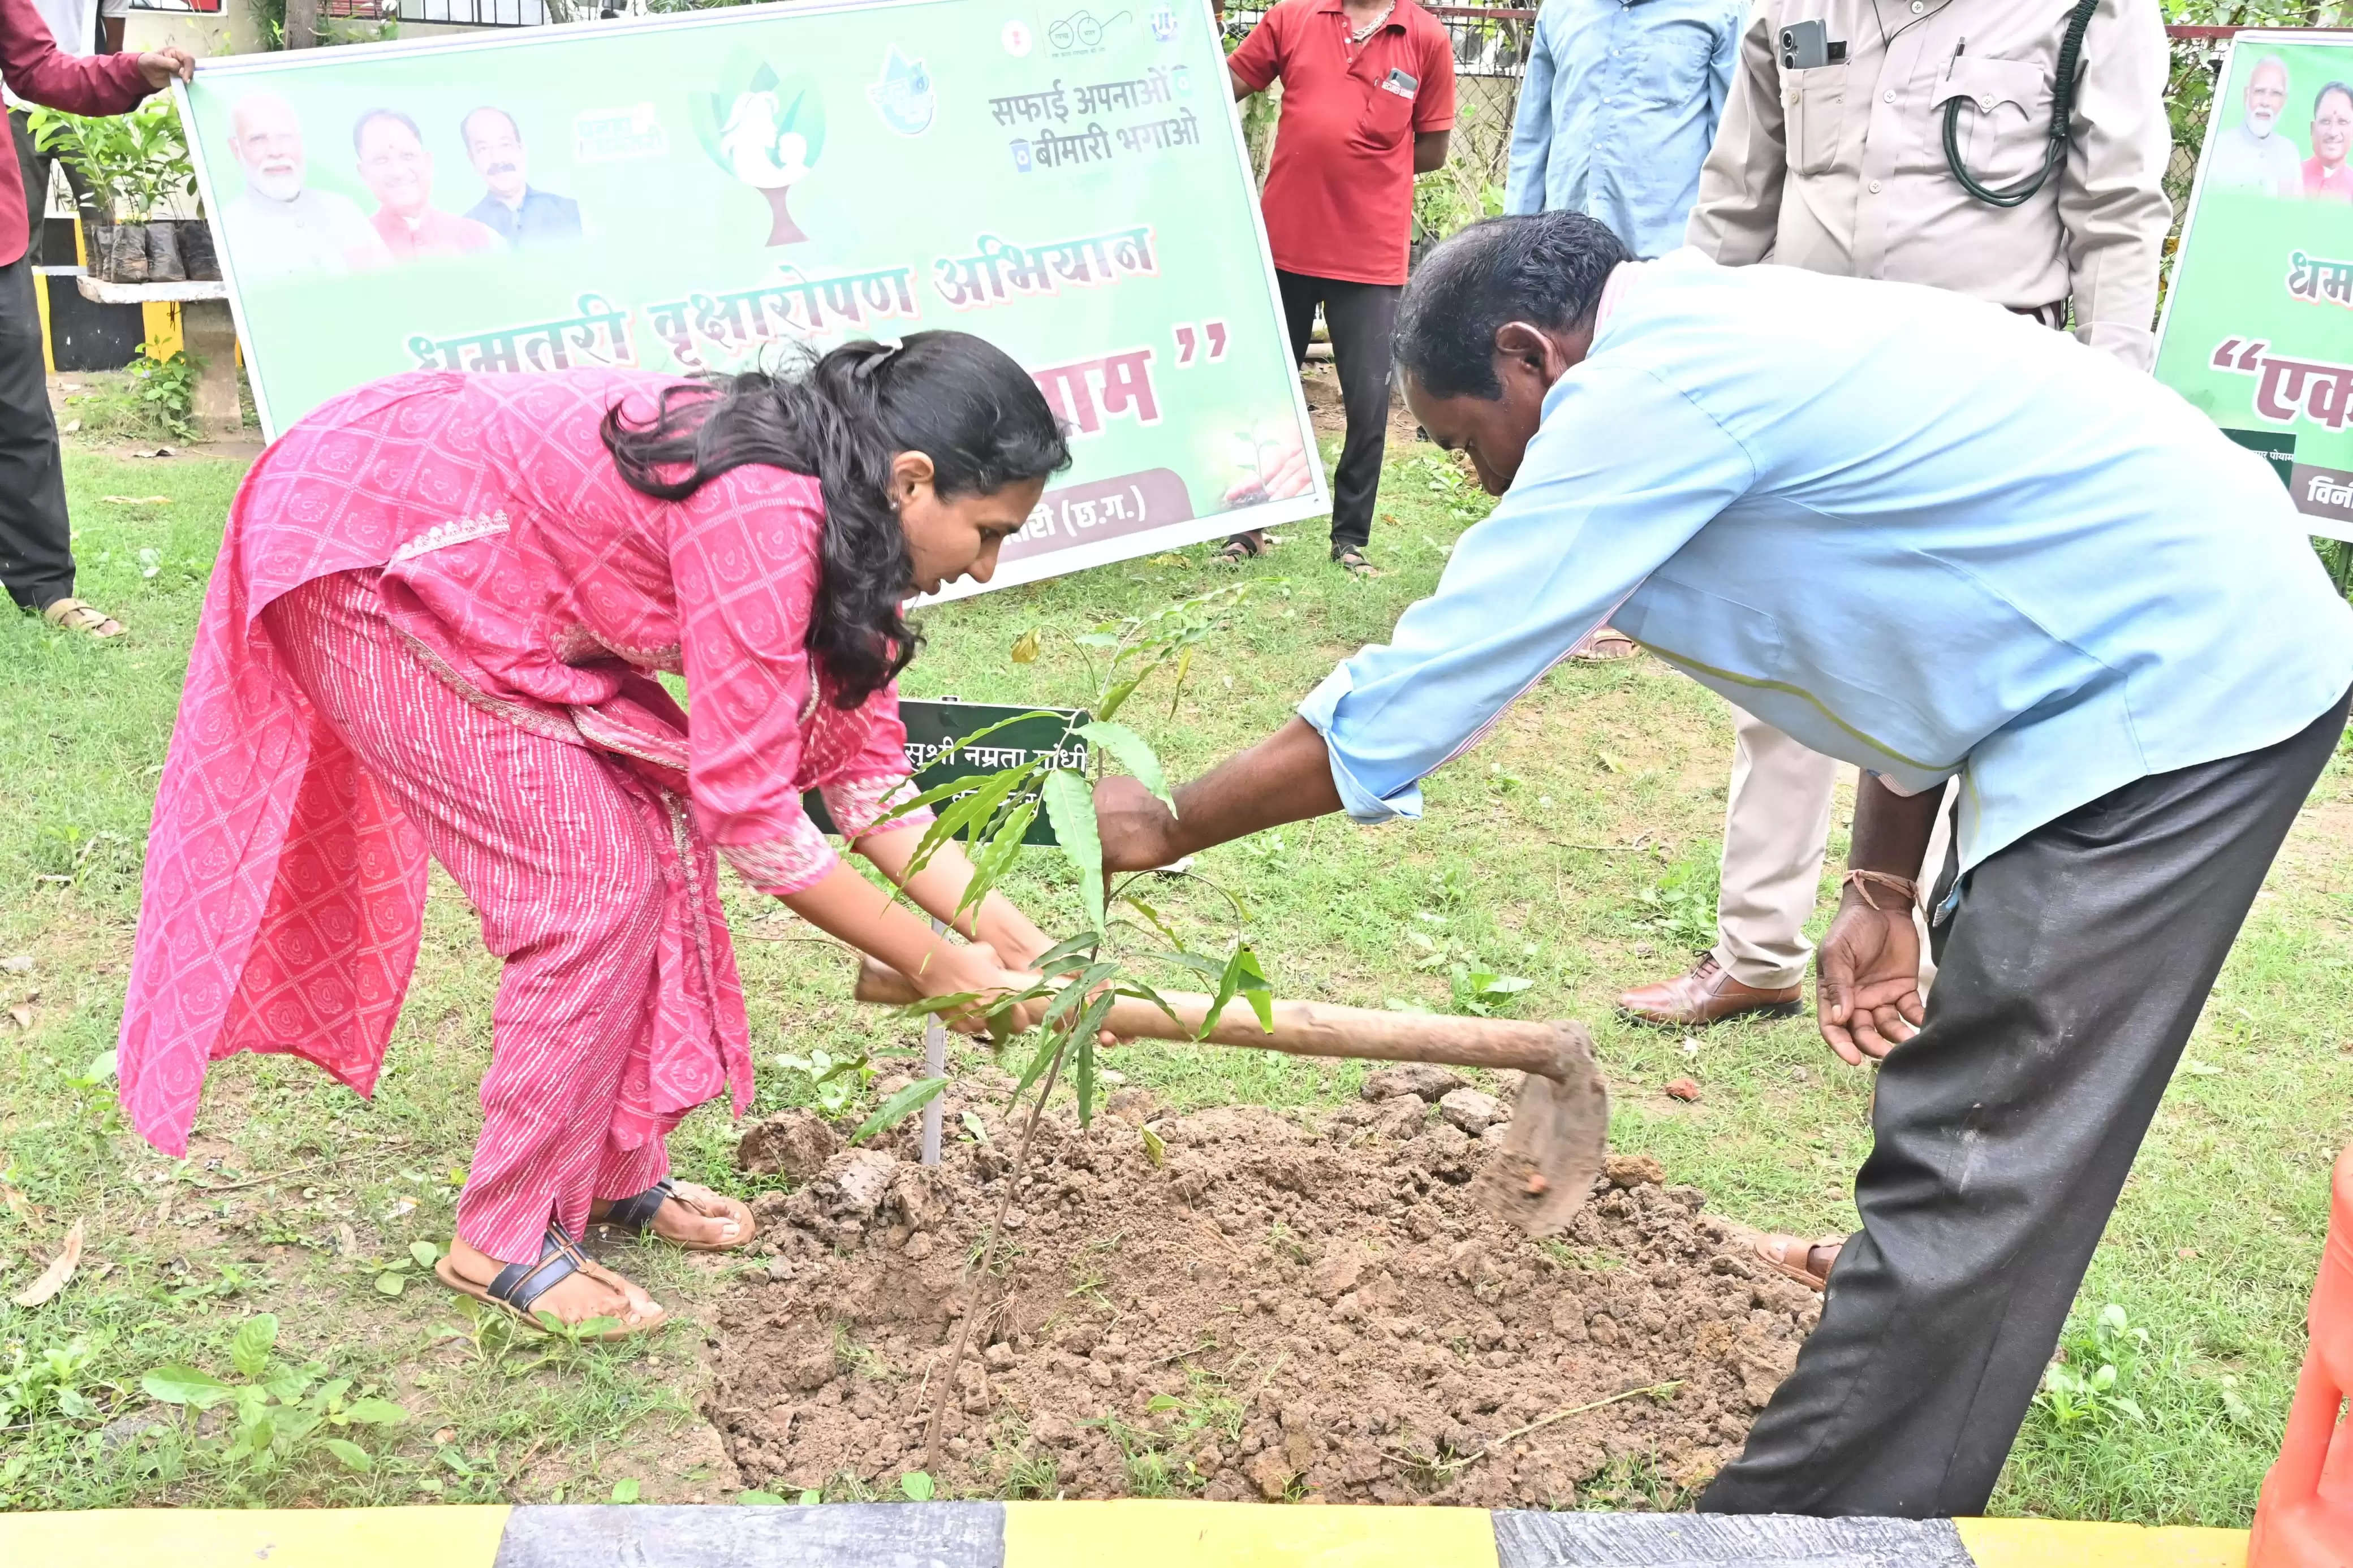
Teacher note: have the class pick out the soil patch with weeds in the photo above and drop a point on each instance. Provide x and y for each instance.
(1242, 1305)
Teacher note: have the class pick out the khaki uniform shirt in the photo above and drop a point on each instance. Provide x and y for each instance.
(1840, 168)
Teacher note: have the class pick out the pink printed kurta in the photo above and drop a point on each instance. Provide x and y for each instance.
(284, 889)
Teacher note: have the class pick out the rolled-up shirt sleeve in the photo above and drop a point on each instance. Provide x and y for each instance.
(1623, 471)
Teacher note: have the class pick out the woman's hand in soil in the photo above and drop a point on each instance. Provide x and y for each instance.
(1867, 980)
(1135, 826)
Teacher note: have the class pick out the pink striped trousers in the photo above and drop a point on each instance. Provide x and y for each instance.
(558, 859)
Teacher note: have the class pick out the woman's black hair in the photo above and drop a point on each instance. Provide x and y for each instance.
(1546, 269)
(957, 399)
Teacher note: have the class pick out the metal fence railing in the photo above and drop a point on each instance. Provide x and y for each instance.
(479, 12)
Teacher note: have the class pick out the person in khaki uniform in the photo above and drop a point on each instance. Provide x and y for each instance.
(1842, 166)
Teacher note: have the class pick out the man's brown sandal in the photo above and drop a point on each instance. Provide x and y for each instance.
(73, 616)
(635, 1215)
(518, 1286)
(1605, 646)
(1352, 561)
(1778, 1252)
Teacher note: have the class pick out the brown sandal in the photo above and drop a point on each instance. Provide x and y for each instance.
(1777, 1252)
(73, 616)
(1244, 547)
(1607, 645)
(518, 1287)
(635, 1215)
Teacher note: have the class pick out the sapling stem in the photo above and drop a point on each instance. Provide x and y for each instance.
(971, 1311)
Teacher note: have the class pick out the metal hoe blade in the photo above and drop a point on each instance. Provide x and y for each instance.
(1560, 1127)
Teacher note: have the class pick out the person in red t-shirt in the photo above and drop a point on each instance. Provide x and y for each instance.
(36, 561)
(1368, 103)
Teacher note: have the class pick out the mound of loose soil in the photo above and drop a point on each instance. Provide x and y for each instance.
(1241, 1306)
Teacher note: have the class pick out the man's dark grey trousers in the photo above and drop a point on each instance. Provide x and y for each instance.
(2069, 977)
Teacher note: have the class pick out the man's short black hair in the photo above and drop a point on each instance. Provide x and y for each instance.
(1546, 268)
(359, 126)
(2322, 96)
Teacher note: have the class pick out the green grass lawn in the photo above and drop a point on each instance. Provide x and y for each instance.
(1574, 849)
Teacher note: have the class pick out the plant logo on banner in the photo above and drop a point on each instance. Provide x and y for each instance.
(903, 95)
(765, 129)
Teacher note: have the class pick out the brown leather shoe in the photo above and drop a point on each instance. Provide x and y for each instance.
(1705, 996)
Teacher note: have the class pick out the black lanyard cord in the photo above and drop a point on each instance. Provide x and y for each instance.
(2062, 110)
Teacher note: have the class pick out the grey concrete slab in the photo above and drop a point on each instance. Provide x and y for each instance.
(837, 1535)
(1530, 1539)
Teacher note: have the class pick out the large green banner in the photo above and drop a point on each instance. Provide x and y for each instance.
(2258, 325)
(699, 194)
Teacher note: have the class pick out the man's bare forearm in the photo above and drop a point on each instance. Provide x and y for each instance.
(1891, 830)
(1286, 777)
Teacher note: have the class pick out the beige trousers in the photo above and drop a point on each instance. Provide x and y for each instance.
(1777, 828)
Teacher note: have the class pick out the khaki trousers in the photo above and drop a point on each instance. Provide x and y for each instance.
(1777, 828)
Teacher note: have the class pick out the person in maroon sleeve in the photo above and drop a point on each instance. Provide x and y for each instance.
(1368, 103)
(36, 549)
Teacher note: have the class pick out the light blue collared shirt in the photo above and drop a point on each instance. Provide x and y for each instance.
(1619, 109)
(1909, 529)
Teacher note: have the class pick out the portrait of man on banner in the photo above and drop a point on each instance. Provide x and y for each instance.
(280, 224)
(2325, 176)
(398, 170)
(2256, 155)
(512, 207)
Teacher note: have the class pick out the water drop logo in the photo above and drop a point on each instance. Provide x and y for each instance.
(768, 131)
(903, 94)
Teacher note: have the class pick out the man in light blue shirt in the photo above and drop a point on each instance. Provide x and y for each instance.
(1938, 540)
(1617, 110)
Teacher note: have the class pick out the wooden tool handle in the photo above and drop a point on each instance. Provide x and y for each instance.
(1315, 1029)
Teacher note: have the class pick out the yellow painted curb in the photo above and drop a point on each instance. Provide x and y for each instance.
(236, 1538)
(2051, 1543)
(1154, 1534)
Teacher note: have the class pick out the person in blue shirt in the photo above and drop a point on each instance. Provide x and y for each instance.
(1935, 541)
(512, 207)
(1617, 110)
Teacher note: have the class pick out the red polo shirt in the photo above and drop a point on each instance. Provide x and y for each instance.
(1339, 196)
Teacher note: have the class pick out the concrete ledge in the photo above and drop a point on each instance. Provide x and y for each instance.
(1139, 1534)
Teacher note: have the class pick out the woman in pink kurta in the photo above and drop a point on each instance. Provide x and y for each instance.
(434, 628)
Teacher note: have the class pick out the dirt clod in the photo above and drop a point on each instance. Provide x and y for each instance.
(1633, 1169)
(1472, 1110)
(1683, 1089)
(1281, 1310)
(793, 1143)
(1400, 1116)
(1421, 1080)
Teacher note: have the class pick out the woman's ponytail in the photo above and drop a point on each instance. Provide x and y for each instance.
(952, 396)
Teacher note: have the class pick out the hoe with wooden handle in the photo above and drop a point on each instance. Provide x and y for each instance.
(1546, 1169)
